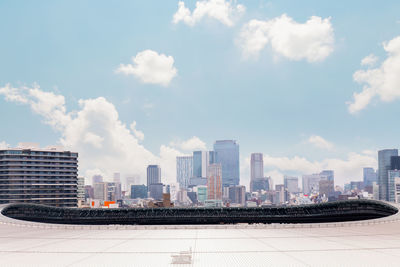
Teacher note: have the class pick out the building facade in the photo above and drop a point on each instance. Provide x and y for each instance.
(392, 188)
(369, 176)
(227, 154)
(42, 176)
(184, 170)
(153, 175)
(384, 163)
(138, 191)
(291, 184)
(237, 194)
(256, 169)
(214, 182)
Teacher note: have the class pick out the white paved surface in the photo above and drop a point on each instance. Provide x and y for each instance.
(368, 243)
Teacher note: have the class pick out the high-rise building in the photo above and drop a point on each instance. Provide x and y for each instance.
(214, 182)
(291, 184)
(97, 179)
(395, 163)
(327, 188)
(237, 194)
(369, 176)
(100, 191)
(259, 184)
(311, 183)
(329, 174)
(46, 176)
(397, 189)
(256, 169)
(256, 166)
(201, 194)
(153, 175)
(107, 191)
(138, 191)
(384, 158)
(184, 170)
(81, 188)
(392, 176)
(156, 191)
(227, 154)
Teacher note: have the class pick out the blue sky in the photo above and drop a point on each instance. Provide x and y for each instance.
(270, 103)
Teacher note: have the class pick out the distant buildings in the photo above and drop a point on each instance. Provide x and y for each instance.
(97, 179)
(138, 191)
(184, 170)
(107, 191)
(156, 191)
(392, 187)
(237, 194)
(369, 176)
(227, 154)
(30, 174)
(201, 161)
(384, 165)
(81, 189)
(311, 183)
(291, 184)
(214, 182)
(153, 175)
(257, 172)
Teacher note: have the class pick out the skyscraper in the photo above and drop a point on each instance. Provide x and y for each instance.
(311, 183)
(392, 176)
(256, 166)
(291, 184)
(237, 194)
(97, 179)
(384, 158)
(184, 170)
(369, 176)
(153, 175)
(330, 175)
(395, 163)
(227, 154)
(214, 182)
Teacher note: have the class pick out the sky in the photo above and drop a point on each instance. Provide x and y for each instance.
(311, 84)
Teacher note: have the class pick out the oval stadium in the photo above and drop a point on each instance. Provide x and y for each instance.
(348, 233)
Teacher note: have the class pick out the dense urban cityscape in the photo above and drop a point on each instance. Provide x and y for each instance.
(204, 179)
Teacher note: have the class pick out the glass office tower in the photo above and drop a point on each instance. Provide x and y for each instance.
(227, 154)
(384, 158)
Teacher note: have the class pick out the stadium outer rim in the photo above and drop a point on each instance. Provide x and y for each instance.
(42, 225)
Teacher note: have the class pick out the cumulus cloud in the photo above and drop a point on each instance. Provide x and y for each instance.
(221, 10)
(150, 67)
(191, 144)
(382, 82)
(105, 144)
(320, 142)
(4, 145)
(139, 134)
(369, 60)
(346, 170)
(312, 41)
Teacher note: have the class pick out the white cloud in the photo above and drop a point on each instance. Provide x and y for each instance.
(320, 142)
(383, 81)
(150, 67)
(139, 134)
(369, 60)
(4, 145)
(312, 41)
(191, 144)
(346, 170)
(105, 144)
(224, 11)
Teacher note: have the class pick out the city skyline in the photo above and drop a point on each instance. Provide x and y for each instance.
(120, 120)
